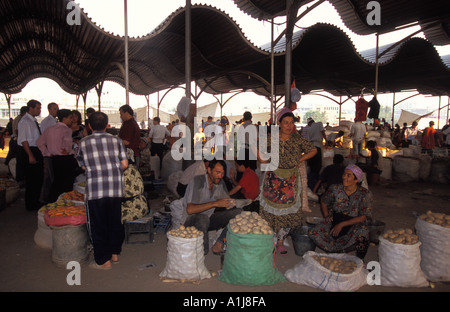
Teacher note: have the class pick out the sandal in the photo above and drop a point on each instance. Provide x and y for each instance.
(281, 250)
(94, 265)
(221, 248)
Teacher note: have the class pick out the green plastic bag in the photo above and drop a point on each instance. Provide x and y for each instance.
(249, 260)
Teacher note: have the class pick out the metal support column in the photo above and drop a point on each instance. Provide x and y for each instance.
(127, 92)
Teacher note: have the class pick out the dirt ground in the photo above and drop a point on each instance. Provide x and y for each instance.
(26, 267)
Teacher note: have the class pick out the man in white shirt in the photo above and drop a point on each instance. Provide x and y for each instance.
(46, 123)
(411, 133)
(28, 133)
(357, 133)
(157, 135)
(50, 120)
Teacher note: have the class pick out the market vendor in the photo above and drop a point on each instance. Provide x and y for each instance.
(207, 204)
(346, 209)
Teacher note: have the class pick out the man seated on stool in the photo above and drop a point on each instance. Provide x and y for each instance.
(208, 205)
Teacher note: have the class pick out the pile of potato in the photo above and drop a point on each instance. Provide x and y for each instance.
(249, 223)
(186, 232)
(336, 265)
(437, 218)
(401, 236)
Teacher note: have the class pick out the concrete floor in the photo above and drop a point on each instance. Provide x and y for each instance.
(26, 267)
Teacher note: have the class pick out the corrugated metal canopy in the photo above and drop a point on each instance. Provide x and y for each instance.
(36, 41)
(433, 16)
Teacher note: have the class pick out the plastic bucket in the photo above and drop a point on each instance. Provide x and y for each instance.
(375, 229)
(70, 243)
(301, 241)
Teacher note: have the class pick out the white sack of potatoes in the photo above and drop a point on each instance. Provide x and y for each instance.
(185, 259)
(400, 264)
(435, 250)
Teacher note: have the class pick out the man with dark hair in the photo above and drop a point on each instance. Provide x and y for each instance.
(331, 174)
(103, 157)
(46, 123)
(207, 204)
(28, 133)
(56, 145)
(87, 129)
(130, 133)
(12, 153)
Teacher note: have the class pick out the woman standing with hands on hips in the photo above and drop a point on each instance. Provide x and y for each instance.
(281, 189)
(346, 208)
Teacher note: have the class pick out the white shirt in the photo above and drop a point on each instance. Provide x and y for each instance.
(158, 133)
(358, 131)
(410, 133)
(315, 134)
(47, 122)
(28, 130)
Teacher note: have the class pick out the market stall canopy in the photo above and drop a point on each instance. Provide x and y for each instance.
(36, 41)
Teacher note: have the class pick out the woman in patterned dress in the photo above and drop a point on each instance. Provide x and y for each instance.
(346, 208)
(282, 188)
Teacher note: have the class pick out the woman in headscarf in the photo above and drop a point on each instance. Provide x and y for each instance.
(282, 188)
(346, 207)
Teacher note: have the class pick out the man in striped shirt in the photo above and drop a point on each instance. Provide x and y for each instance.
(103, 157)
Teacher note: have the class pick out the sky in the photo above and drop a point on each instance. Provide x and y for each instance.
(145, 15)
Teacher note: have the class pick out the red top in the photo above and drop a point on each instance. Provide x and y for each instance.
(250, 184)
(362, 107)
(131, 132)
(428, 138)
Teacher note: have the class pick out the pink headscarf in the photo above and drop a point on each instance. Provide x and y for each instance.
(359, 174)
(281, 112)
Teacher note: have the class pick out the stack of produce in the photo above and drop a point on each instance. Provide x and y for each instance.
(437, 218)
(250, 223)
(401, 236)
(74, 196)
(186, 232)
(336, 265)
(64, 212)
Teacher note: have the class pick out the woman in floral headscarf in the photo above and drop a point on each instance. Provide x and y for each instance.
(346, 207)
(282, 189)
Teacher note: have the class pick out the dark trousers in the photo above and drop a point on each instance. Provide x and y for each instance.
(218, 220)
(63, 176)
(105, 227)
(34, 176)
(315, 163)
(157, 149)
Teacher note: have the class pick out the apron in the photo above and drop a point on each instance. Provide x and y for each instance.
(281, 191)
